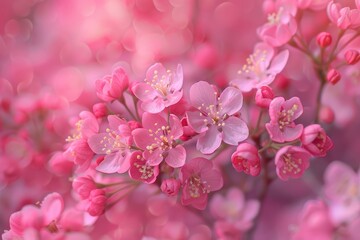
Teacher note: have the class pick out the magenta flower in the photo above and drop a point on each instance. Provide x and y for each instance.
(112, 87)
(113, 145)
(199, 178)
(214, 119)
(291, 162)
(261, 68)
(158, 140)
(96, 202)
(282, 115)
(315, 140)
(141, 170)
(280, 28)
(83, 186)
(343, 18)
(246, 159)
(160, 89)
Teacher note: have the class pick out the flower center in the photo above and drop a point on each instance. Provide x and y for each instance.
(161, 83)
(254, 63)
(290, 164)
(162, 139)
(286, 116)
(145, 170)
(77, 133)
(113, 143)
(198, 187)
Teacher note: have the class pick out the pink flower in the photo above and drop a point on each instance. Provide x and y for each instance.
(170, 186)
(234, 208)
(343, 18)
(214, 119)
(261, 68)
(282, 115)
(246, 159)
(315, 140)
(44, 218)
(113, 144)
(160, 89)
(97, 201)
(291, 162)
(112, 87)
(141, 170)
(315, 222)
(199, 178)
(83, 186)
(263, 96)
(280, 28)
(158, 140)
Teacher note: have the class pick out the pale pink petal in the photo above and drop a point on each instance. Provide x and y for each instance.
(197, 122)
(213, 178)
(154, 106)
(202, 94)
(111, 163)
(275, 108)
(235, 130)
(52, 207)
(142, 138)
(115, 122)
(279, 62)
(153, 121)
(291, 134)
(176, 128)
(245, 82)
(97, 143)
(177, 79)
(154, 158)
(231, 101)
(176, 157)
(173, 98)
(144, 92)
(210, 141)
(155, 69)
(295, 105)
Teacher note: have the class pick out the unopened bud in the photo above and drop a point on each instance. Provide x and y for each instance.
(324, 39)
(333, 76)
(352, 56)
(326, 115)
(263, 96)
(100, 110)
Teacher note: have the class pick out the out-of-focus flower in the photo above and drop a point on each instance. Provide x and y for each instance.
(199, 178)
(246, 159)
(112, 87)
(324, 39)
(352, 56)
(160, 89)
(96, 203)
(343, 17)
(214, 119)
(170, 186)
(326, 115)
(282, 115)
(291, 162)
(263, 96)
(333, 76)
(261, 68)
(83, 186)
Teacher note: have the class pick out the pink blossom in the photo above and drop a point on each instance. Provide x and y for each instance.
(345, 17)
(100, 110)
(199, 178)
(234, 208)
(280, 28)
(261, 68)
(342, 184)
(112, 87)
(96, 203)
(263, 96)
(326, 115)
(315, 222)
(113, 144)
(32, 217)
(158, 140)
(282, 115)
(215, 120)
(313, 4)
(160, 89)
(246, 159)
(291, 162)
(315, 140)
(141, 170)
(170, 186)
(83, 186)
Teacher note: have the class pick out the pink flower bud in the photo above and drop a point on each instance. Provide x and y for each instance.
(100, 110)
(83, 186)
(134, 125)
(188, 132)
(170, 186)
(97, 201)
(263, 96)
(112, 87)
(315, 140)
(326, 115)
(323, 39)
(352, 56)
(333, 76)
(246, 159)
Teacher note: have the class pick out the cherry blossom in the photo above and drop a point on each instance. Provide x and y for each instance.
(112, 87)
(315, 140)
(246, 159)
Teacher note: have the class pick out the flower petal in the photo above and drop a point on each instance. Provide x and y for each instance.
(231, 101)
(235, 130)
(210, 141)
